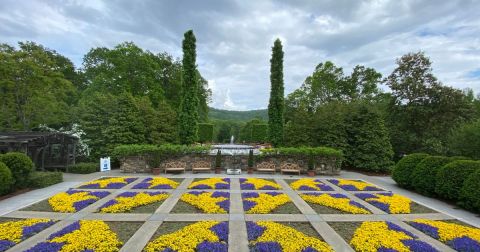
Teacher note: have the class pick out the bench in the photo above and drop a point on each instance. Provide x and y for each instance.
(266, 167)
(175, 166)
(200, 166)
(289, 168)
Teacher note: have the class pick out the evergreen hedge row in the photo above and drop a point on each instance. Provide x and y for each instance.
(44, 179)
(6, 179)
(84, 168)
(205, 132)
(130, 150)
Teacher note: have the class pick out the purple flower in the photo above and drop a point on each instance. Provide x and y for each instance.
(309, 249)
(79, 205)
(267, 247)
(324, 187)
(226, 180)
(221, 230)
(333, 181)
(247, 186)
(250, 195)
(354, 203)
(268, 187)
(372, 188)
(6, 244)
(338, 195)
(397, 228)
(247, 204)
(306, 188)
(220, 194)
(225, 205)
(35, 228)
(155, 193)
(313, 193)
(130, 180)
(384, 207)
(91, 186)
(115, 185)
(46, 246)
(68, 229)
(418, 246)
(242, 180)
(141, 185)
(254, 231)
(99, 194)
(109, 203)
(162, 186)
(427, 229)
(128, 194)
(382, 249)
(222, 186)
(206, 246)
(364, 196)
(349, 188)
(196, 193)
(72, 191)
(464, 243)
(385, 193)
(201, 186)
(274, 193)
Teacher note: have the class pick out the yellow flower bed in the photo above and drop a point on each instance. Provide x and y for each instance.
(13, 230)
(208, 202)
(108, 183)
(342, 203)
(126, 201)
(445, 231)
(65, 202)
(258, 184)
(354, 185)
(162, 181)
(307, 184)
(262, 203)
(211, 183)
(388, 202)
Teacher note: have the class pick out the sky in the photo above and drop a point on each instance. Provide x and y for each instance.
(234, 37)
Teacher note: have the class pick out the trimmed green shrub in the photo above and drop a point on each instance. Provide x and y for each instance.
(250, 159)
(402, 171)
(166, 150)
(6, 179)
(84, 168)
(451, 176)
(44, 179)
(218, 159)
(470, 193)
(304, 152)
(424, 176)
(205, 132)
(259, 132)
(21, 167)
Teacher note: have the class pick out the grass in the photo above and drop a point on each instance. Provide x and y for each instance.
(124, 229)
(345, 229)
(288, 208)
(183, 207)
(5, 219)
(320, 209)
(416, 208)
(304, 227)
(42, 206)
(170, 227)
(150, 208)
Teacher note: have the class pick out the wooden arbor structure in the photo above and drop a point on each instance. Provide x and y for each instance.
(46, 149)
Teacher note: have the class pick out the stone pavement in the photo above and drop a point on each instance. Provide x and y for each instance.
(237, 218)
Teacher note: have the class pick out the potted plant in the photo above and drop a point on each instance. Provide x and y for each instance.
(155, 161)
(311, 167)
(250, 162)
(218, 162)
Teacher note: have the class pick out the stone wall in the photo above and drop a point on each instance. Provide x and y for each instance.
(322, 166)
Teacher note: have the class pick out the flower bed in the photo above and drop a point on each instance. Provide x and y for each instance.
(156, 183)
(457, 236)
(200, 236)
(272, 236)
(84, 235)
(386, 236)
(262, 203)
(258, 184)
(108, 183)
(211, 183)
(354, 185)
(388, 202)
(208, 202)
(127, 201)
(307, 184)
(337, 201)
(73, 201)
(15, 231)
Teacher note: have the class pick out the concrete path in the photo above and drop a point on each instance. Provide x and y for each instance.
(237, 218)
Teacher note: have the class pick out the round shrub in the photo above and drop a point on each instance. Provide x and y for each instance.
(470, 194)
(403, 169)
(451, 176)
(21, 167)
(424, 174)
(6, 179)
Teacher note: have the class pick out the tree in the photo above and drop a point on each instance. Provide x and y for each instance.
(189, 107)
(465, 140)
(276, 105)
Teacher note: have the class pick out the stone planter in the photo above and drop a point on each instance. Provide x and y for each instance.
(218, 170)
(311, 173)
(156, 171)
(250, 170)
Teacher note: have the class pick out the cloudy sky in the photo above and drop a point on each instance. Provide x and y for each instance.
(234, 38)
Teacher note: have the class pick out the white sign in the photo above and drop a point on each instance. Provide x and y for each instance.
(105, 164)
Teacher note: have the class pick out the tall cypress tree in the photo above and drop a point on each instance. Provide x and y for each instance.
(188, 115)
(276, 104)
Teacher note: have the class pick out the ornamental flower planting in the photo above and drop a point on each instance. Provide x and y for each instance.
(208, 202)
(258, 184)
(262, 203)
(127, 201)
(386, 236)
(84, 235)
(337, 201)
(108, 183)
(388, 202)
(156, 183)
(200, 236)
(13, 232)
(73, 201)
(272, 236)
(211, 183)
(354, 185)
(457, 236)
(307, 184)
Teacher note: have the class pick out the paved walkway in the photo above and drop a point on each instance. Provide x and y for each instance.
(238, 235)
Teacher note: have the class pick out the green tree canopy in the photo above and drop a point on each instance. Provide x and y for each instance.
(276, 105)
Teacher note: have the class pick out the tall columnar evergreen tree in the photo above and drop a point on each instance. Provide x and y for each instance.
(188, 115)
(276, 105)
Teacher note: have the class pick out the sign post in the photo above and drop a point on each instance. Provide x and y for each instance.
(105, 164)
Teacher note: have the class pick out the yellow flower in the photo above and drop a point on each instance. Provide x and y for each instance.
(204, 201)
(13, 230)
(449, 231)
(258, 184)
(342, 204)
(397, 204)
(64, 202)
(125, 204)
(360, 185)
(210, 183)
(371, 236)
(266, 202)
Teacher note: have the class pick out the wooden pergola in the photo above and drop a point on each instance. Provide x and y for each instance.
(46, 149)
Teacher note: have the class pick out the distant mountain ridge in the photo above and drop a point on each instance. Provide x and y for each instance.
(222, 114)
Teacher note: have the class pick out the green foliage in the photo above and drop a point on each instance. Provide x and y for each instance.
(402, 172)
(205, 132)
(451, 176)
(276, 105)
(165, 150)
(465, 140)
(44, 179)
(84, 168)
(223, 130)
(424, 176)
(218, 159)
(304, 152)
(250, 159)
(6, 179)
(188, 117)
(21, 167)
(245, 133)
(368, 146)
(259, 132)
(221, 114)
(469, 194)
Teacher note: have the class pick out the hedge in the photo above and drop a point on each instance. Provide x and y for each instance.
(451, 176)
(423, 178)
(470, 193)
(402, 172)
(6, 179)
(21, 167)
(166, 150)
(259, 132)
(84, 168)
(44, 179)
(205, 132)
(304, 152)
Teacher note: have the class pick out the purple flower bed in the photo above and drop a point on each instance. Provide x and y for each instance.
(46, 247)
(145, 184)
(29, 231)
(352, 187)
(206, 246)
(418, 246)
(109, 186)
(6, 244)
(464, 243)
(427, 229)
(254, 231)
(221, 230)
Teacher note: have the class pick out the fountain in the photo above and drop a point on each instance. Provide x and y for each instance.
(233, 164)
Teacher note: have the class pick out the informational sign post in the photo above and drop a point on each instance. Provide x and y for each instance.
(105, 164)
